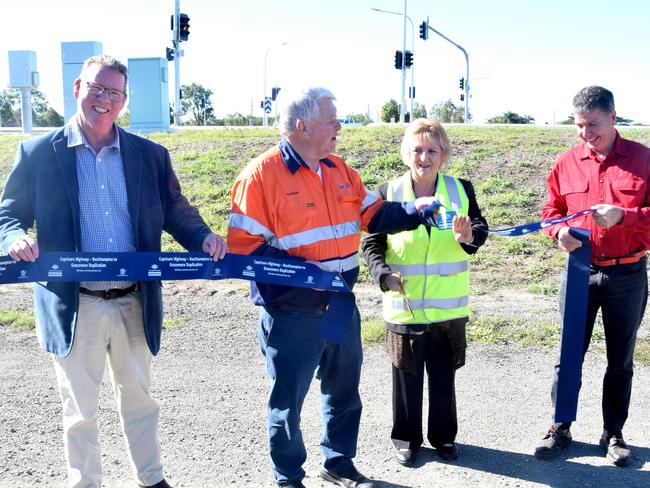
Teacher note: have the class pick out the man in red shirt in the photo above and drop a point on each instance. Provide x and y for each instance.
(610, 175)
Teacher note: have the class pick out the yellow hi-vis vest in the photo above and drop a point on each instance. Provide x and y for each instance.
(435, 266)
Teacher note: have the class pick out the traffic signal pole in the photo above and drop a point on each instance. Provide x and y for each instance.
(177, 63)
(402, 110)
(467, 70)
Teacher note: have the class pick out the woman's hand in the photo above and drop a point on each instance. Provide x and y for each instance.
(394, 282)
(462, 227)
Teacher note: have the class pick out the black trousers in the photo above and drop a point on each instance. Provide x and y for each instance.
(621, 293)
(432, 350)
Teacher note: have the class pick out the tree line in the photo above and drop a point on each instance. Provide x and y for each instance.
(42, 114)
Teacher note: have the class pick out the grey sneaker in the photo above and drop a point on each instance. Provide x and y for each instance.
(616, 449)
(553, 442)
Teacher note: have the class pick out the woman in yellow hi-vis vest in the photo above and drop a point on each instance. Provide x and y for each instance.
(425, 276)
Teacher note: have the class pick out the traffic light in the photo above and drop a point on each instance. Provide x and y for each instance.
(169, 53)
(274, 92)
(183, 27)
(262, 104)
(398, 59)
(424, 30)
(461, 83)
(462, 97)
(408, 59)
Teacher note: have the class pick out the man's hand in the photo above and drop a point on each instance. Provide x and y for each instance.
(24, 248)
(428, 213)
(394, 282)
(462, 227)
(215, 246)
(423, 202)
(607, 215)
(566, 242)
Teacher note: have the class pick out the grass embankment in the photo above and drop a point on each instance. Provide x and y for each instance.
(507, 165)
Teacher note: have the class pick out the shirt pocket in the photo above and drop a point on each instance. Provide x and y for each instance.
(628, 193)
(293, 219)
(575, 194)
(350, 207)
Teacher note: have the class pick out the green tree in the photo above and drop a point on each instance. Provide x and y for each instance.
(419, 111)
(9, 108)
(447, 112)
(235, 119)
(124, 120)
(196, 100)
(570, 120)
(362, 119)
(39, 106)
(390, 111)
(511, 118)
(51, 118)
(623, 121)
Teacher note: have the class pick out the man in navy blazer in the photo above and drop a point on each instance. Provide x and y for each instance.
(93, 187)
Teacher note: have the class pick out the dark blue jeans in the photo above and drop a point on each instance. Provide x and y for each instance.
(621, 293)
(295, 353)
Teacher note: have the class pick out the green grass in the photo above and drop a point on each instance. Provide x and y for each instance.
(170, 324)
(17, 319)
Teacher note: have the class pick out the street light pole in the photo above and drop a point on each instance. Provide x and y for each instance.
(412, 92)
(265, 117)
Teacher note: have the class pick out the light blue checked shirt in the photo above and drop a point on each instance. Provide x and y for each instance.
(103, 203)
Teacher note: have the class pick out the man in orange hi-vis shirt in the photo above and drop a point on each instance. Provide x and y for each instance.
(300, 201)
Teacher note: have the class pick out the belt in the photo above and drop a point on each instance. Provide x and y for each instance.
(287, 307)
(633, 258)
(111, 293)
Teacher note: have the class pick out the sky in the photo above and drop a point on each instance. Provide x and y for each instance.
(526, 56)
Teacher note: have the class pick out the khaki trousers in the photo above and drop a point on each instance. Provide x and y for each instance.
(112, 328)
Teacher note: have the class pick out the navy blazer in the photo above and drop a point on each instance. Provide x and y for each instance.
(43, 188)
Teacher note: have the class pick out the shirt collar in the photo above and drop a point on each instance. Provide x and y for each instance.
(293, 160)
(76, 136)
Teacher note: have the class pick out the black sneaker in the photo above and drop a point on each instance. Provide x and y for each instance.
(553, 442)
(616, 449)
(349, 479)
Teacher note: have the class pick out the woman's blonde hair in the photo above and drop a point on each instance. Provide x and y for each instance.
(430, 129)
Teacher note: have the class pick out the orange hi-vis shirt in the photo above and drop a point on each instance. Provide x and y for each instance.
(282, 208)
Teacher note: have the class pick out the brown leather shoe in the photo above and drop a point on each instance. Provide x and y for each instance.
(160, 484)
(616, 449)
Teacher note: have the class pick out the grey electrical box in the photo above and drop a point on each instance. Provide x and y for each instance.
(148, 94)
(22, 69)
(73, 55)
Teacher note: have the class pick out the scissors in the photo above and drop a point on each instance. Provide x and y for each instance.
(406, 300)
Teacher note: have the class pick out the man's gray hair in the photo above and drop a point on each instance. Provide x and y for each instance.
(108, 61)
(593, 97)
(302, 106)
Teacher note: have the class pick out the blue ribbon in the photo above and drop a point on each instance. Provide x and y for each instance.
(524, 229)
(573, 328)
(575, 313)
(157, 266)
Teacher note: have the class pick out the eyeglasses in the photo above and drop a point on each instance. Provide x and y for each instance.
(114, 95)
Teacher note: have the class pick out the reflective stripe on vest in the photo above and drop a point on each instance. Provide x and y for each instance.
(435, 266)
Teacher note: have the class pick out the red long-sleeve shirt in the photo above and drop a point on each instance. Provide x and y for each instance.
(578, 180)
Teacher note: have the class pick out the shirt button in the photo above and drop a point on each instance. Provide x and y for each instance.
(103, 187)
(99, 160)
(106, 213)
(110, 240)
